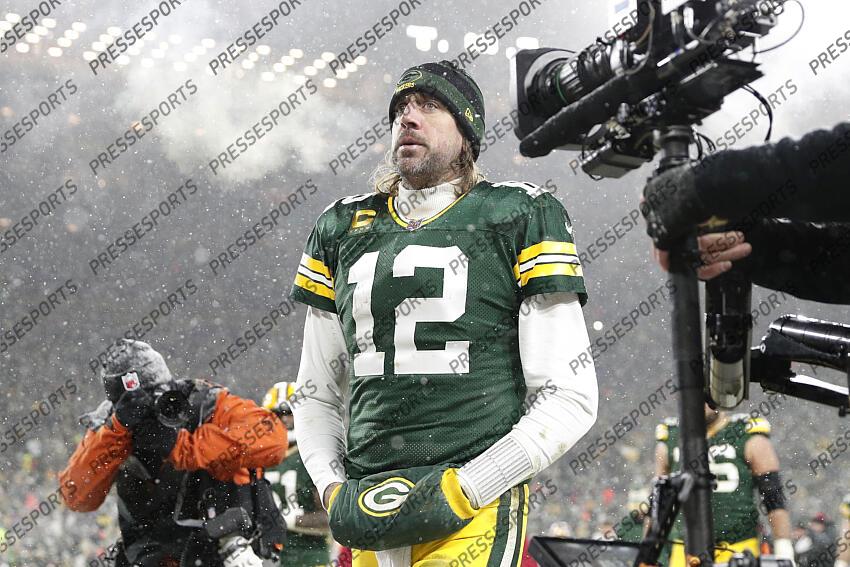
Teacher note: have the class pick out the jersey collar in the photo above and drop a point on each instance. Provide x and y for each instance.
(434, 200)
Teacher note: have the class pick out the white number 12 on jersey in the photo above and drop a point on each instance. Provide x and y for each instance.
(448, 308)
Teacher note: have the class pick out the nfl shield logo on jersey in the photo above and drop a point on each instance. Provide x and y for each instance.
(131, 381)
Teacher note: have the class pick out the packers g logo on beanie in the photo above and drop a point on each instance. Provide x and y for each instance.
(455, 88)
(385, 498)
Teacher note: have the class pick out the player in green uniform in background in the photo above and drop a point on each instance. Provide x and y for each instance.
(742, 458)
(306, 521)
(436, 303)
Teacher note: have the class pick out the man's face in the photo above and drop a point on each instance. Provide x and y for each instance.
(426, 141)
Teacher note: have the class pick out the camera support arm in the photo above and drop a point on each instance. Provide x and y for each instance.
(687, 355)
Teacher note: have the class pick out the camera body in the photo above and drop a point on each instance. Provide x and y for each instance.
(607, 102)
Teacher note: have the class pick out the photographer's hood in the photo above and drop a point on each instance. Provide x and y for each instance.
(126, 357)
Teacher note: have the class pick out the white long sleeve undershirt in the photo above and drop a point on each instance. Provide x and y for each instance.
(552, 333)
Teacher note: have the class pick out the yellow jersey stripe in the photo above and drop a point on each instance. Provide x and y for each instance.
(318, 288)
(546, 247)
(316, 266)
(544, 270)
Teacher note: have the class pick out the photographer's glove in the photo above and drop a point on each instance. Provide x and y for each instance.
(153, 441)
(133, 407)
(672, 206)
(399, 508)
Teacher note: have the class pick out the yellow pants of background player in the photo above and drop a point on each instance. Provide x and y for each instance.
(722, 555)
(494, 538)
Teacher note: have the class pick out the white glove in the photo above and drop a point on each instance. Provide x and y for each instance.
(841, 563)
(784, 549)
(235, 551)
(291, 514)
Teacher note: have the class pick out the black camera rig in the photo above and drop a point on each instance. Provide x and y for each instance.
(670, 69)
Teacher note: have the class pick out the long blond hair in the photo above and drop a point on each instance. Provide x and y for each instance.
(386, 176)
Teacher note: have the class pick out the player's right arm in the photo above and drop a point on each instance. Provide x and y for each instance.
(843, 559)
(662, 457)
(322, 374)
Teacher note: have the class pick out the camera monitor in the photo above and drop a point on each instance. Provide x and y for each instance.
(572, 552)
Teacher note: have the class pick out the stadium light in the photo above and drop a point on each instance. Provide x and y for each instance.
(32, 38)
(63, 42)
(71, 34)
(328, 56)
(279, 67)
(264, 49)
(267, 76)
(287, 60)
(319, 64)
(22, 47)
(13, 17)
(54, 51)
(309, 70)
(361, 60)
(208, 43)
(329, 82)
(78, 27)
(48, 23)
(296, 53)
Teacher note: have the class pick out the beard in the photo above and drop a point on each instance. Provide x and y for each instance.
(426, 171)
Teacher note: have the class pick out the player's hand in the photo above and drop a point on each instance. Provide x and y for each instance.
(717, 251)
(133, 407)
(326, 498)
(671, 206)
(399, 508)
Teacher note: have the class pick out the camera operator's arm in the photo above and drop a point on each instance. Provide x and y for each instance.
(799, 258)
(94, 465)
(804, 180)
(764, 464)
(239, 436)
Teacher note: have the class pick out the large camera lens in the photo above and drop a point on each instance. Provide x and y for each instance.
(172, 409)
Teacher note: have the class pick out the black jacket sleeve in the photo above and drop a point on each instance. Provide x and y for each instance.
(808, 260)
(805, 180)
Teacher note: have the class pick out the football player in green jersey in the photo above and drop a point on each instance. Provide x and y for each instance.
(843, 559)
(306, 521)
(454, 299)
(742, 458)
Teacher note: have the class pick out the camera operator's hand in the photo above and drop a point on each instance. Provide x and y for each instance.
(671, 206)
(153, 441)
(133, 407)
(717, 251)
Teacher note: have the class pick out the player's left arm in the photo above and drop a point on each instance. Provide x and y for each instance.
(554, 350)
(764, 464)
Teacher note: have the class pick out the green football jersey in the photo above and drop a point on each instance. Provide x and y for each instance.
(429, 310)
(733, 505)
(293, 487)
